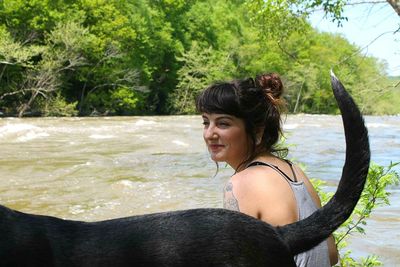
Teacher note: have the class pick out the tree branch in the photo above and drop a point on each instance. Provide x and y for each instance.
(7, 63)
(12, 93)
(366, 46)
(365, 2)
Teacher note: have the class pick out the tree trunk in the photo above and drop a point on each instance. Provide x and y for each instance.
(396, 5)
(298, 97)
(26, 106)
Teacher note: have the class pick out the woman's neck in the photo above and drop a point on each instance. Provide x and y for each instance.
(263, 156)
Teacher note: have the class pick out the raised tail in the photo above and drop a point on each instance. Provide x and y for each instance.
(307, 233)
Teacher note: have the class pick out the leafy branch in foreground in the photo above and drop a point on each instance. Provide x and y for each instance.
(374, 195)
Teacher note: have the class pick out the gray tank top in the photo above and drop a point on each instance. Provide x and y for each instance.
(319, 255)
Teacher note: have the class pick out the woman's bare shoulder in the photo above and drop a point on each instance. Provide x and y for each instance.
(256, 176)
(262, 193)
(257, 184)
(243, 185)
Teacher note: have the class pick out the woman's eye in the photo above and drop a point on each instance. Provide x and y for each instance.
(206, 123)
(223, 124)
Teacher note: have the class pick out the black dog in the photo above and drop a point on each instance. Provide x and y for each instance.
(199, 237)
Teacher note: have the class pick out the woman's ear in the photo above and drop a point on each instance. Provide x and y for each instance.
(259, 135)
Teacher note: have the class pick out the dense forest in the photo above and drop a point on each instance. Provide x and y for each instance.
(138, 57)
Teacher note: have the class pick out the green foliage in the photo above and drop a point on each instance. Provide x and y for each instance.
(281, 17)
(332, 9)
(74, 49)
(119, 101)
(201, 67)
(14, 53)
(277, 19)
(126, 101)
(374, 195)
(58, 107)
(43, 67)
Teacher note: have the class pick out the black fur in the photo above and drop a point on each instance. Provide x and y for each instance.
(198, 237)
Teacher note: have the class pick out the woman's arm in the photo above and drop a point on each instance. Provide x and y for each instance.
(333, 252)
(230, 201)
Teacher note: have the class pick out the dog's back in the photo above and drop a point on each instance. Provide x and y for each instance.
(199, 237)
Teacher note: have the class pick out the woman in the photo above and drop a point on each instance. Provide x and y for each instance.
(242, 126)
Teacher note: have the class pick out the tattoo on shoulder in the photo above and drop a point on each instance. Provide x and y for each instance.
(230, 202)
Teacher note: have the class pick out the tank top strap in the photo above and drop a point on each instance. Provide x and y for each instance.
(291, 167)
(276, 168)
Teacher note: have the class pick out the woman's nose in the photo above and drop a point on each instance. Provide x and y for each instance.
(209, 132)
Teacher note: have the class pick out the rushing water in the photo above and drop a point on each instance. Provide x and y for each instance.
(100, 168)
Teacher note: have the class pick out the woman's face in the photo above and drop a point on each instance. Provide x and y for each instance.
(226, 138)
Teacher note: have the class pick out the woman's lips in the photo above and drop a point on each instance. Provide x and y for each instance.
(215, 147)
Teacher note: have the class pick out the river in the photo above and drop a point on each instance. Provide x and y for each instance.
(107, 167)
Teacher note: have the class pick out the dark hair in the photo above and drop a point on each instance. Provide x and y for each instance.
(257, 101)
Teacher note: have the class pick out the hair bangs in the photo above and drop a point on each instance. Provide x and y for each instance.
(220, 99)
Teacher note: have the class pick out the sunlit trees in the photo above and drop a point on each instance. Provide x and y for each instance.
(152, 57)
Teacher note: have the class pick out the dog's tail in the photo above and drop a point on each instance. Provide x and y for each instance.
(307, 233)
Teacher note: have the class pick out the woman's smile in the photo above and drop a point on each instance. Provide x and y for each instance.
(215, 147)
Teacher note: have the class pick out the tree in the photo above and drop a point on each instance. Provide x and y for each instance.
(311, 54)
(43, 75)
(139, 56)
(201, 67)
(15, 58)
(72, 64)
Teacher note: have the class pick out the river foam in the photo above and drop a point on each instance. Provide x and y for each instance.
(21, 132)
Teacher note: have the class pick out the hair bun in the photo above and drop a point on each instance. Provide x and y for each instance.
(272, 85)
